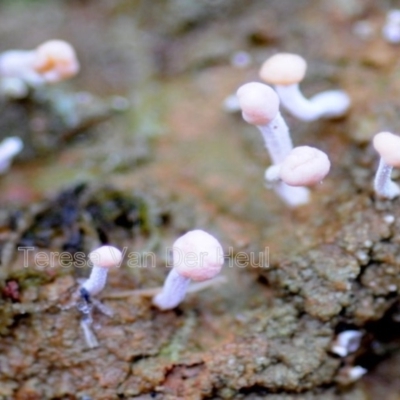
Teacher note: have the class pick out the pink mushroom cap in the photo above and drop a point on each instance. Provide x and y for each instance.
(283, 69)
(259, 103)
(198, 256)
(56, 60)
(304, 166)
(106, 257)
(388, 146)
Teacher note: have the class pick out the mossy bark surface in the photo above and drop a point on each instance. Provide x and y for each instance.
(176, 161)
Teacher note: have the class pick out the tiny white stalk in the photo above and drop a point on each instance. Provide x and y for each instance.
(197, 256)
(388, 146)
(285, 71)
(103, 259)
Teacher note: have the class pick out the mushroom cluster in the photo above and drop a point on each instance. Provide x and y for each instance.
(292, 169)
(20, 70)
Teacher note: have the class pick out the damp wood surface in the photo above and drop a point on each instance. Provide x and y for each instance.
(176, 161)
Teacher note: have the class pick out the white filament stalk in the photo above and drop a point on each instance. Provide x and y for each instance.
(277, 139)
(328, 104)
(173, 291)
(293, 196)
(97, 280)
(383, 184)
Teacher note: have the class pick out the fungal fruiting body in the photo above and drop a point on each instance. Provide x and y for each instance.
(197, 256)
(260, 107)
(9, 148)
(303, 166)
(51, 62)
(285, 71)
(55, 61)
(103, 259)
(388, 146)
(347, 342)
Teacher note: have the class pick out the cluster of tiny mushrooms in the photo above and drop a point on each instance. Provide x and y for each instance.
(291, 172)
(22, 70)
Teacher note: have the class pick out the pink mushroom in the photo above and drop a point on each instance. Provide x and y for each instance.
(304, 166)
(103, 259)
(55, 61)
(52, 61)
(260, 107)
(197, 256)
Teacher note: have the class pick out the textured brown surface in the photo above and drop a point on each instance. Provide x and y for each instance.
(177, 161)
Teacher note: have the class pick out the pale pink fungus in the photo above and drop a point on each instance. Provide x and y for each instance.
(388, 146)
(304, 166)
(103, 259)
(56, 60)
(197, 256)
(52, 61)
(259, 103)
(285, 71)
(260, 107)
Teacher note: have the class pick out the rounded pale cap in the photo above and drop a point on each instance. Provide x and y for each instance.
(388, 146)
(283, 69)
(56, 60)
(106, 257)
(304, 166)
(259, 103)
(198, 256)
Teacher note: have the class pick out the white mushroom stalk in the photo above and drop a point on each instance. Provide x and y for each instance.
(103, 259)
(388, 146)
(260, 107)
(9, 148)
(53, 61)
(285, 71)
(197, 256)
